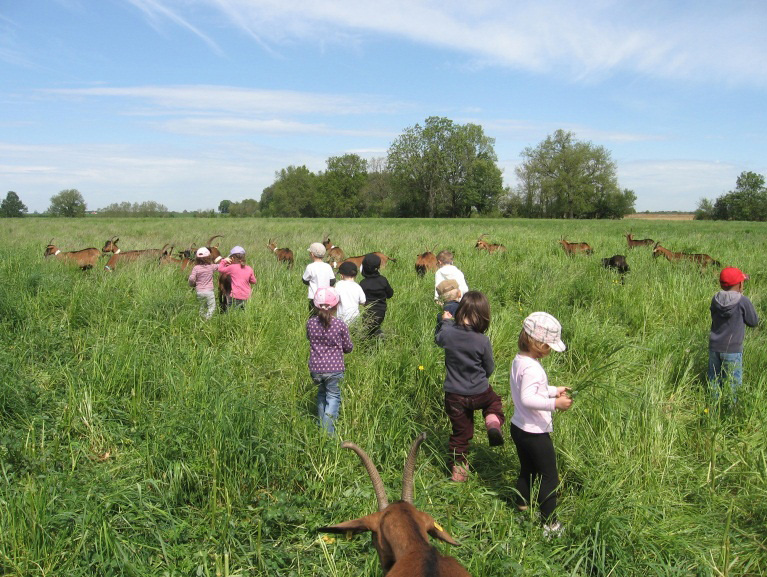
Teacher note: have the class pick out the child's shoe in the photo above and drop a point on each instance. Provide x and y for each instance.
(494, 434)
(460, 473)
(554, 529)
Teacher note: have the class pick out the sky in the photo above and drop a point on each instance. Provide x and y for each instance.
(190, 102)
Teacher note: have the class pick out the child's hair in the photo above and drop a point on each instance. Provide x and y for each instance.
(238, 258)
(528, 344)
(474, 311)
(326, 315)
(445, 257)
(203, 260)
(451, 295)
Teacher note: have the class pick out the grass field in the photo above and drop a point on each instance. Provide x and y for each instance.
(136, 439)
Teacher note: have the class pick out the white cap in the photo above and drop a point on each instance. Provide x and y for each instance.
(544, 328)
(202, 252)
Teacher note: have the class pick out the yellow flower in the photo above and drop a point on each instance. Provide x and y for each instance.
(420, 367)
(705, 410)
(328, 539)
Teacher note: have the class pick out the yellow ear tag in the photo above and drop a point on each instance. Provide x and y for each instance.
(349, 534)
(438, 527)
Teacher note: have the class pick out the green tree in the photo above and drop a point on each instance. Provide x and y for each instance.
(223, 206)
(69, 203)
(377, 196)
(340, 187)
(705, 210)
(12, 207)
(247, 207)
(292, 194)
(747, 202)
(434, 168)
(566, 178)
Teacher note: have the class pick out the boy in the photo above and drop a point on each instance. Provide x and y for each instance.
(450, 297)
(317, 273)
(377, 289)
(350, 294)
(447, 270)
(731, 312)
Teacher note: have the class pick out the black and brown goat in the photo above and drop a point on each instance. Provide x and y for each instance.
(618, 262)
(399, 531)
(576, 247)
(482, 244)
(85, 258)
(333, 254)
(643, 242)
(182, 261)
(425, 261)
(283, 254)
(700, 258)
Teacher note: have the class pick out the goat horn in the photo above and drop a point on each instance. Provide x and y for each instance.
(373, 472)
(407, 475)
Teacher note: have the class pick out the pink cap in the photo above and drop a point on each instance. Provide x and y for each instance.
(325, 298)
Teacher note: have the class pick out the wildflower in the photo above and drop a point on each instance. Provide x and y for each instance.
(328, 539)
(420, 367)
(705, 411)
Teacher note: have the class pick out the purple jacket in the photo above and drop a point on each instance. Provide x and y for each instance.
(327, 345)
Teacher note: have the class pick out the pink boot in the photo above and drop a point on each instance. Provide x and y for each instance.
(494, 435)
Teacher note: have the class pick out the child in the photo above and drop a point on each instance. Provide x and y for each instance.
(449, 297)
(241, 276)
(317, 273)
(468, 366)
(350, 294)
(447, 270)
(377, 289)
(534, 402)
(731, 312)
(202, 280)
(328, 342)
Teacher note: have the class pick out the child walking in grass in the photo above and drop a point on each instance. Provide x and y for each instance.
(317, 273)
(240, 274)
(447, 270)
(202, 280)
(350, 294)
(531, 425)
(329, 341)
(377, 290)
(731, 313)
(468, 366)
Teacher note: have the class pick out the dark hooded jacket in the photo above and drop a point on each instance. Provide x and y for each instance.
(731, 311)
(376, 288)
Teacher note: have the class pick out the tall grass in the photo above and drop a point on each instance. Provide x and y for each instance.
(137, 439)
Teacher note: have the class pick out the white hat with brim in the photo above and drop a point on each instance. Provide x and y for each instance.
(544, 328)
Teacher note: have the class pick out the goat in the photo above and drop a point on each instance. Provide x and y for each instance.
(399, 531)
(182, 261)
(85, 258)
(700, 258)
(128, 256)
(618, 262)
(334, 255)
(425, 261)
(575, 247)
(282, 254)
(632, 243)
(358, 260)
(482, 244)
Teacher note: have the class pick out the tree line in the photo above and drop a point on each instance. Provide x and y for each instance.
(747, 202)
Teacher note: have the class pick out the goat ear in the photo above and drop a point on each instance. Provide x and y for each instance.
(438, 532)
(366, 523)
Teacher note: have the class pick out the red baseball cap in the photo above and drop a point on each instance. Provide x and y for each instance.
(731, 276)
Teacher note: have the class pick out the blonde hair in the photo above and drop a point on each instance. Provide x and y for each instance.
(528, 344)
(239, 258)
(445, 257)
(451, 295)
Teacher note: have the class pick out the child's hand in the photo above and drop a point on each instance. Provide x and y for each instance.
(446, 315)
(563, 402)
(562, 391)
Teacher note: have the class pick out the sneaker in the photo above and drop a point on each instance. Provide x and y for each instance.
(495, 437)
(522, 508)
(554, 529)
(460, 473)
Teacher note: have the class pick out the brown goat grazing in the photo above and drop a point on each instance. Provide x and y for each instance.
(700, 258)
(425, 261)
(575, 247)
(333, 254)
(85, 258)
(482, 244)
(618, 262)
(643, 242)
(119, 256)
(183, 261)
(400, 532)
(282, 254)
(358, 260)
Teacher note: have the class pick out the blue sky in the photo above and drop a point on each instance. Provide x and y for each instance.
(189, 102)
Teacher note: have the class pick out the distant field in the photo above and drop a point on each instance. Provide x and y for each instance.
(136, 439)
(661, 216)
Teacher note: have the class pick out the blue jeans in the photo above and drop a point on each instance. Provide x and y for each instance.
(725, 368)
(328, 398)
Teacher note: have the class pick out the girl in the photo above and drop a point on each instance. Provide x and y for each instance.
(469, 364)
(328, 342)
(534, 402)
(202, 280)
(241, 276)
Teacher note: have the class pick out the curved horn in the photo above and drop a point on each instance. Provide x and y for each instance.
(50, 242)
(210, 240)
(372, 471)
(407, 475)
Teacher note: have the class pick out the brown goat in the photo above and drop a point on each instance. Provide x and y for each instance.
(400, 532)
(643, 242)
(575, 247)
(482, 244)
(333, 254)
(700, 258)
(425, 261)
(183, 261)
(358, 260)
(85, 258)
(119, 256)
(282, 254)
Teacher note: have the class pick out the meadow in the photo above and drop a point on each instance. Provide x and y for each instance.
(137, 439)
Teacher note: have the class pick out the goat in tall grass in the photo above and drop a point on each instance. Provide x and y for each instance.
(482, 244)
(283, 254)
(425, 261)
(643, 242)
(119, 256)
(700, 258)
(399, 531)
(575, 247)
(85, 258)
(358, 259)
(333, 254)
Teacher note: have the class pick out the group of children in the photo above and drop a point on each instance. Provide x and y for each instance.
(469, 364)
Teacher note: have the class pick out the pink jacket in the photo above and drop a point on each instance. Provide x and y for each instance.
(533, 397)
(202, 277)
(242, 277)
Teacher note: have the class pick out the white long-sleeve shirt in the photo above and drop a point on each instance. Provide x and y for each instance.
(450, 271)
(534, 399)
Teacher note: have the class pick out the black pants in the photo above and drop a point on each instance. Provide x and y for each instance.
(537, 459)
